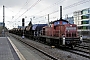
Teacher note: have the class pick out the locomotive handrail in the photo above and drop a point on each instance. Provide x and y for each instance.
(52, 33)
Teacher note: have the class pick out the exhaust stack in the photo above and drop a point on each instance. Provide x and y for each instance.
(60, 12)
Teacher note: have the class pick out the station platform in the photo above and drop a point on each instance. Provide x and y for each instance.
(12, 49)
(6, 50)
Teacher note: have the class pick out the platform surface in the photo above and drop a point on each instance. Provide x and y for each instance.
(12, 49)
(6, 50)
(26, 52)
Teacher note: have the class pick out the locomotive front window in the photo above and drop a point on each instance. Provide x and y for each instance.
(70, 28)
(56, 23)
(63, 22)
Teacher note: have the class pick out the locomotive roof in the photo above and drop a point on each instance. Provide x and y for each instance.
(59, 20)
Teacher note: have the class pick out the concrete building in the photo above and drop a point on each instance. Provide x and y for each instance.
(82, 19)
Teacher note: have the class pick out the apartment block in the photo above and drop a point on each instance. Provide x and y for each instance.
(82, 19)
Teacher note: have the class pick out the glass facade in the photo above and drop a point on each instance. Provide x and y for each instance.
(82, 19)
(89, 10)
(79, 27)
(84, 27)
(85, 22)
(84, 11)
(85, 16)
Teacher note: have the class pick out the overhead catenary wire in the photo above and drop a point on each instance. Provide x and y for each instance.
(9, 9)
(51, 6)
(26, 3)
(29, 8)
(67, 7)
(76, 4)
(56, 3)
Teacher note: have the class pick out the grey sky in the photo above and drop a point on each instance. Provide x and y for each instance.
(13, 8)
(12, 3)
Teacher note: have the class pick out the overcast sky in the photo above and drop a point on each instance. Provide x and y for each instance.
(15, 10)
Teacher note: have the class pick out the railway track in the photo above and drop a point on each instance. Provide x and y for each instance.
(82, 50)
(77, 50)
(84, 47)
(45, 53)
(86, 40)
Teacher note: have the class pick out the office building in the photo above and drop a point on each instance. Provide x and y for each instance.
(82, 19)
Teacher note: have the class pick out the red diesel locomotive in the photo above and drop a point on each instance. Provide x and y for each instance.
(61, 32)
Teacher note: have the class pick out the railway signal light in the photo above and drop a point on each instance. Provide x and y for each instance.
(23, 22)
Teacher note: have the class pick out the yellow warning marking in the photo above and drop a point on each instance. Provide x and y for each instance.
(21, 57)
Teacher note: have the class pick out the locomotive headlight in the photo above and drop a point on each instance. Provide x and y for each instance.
(81, 38)
(63, 40)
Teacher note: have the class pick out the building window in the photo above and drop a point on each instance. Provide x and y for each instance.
(85, 22)
(79, 27)
(84, 11)
(88, 27)
(85, 16)
(89, 10)
(84, 27)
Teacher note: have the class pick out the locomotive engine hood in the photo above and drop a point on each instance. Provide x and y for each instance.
(71, 30)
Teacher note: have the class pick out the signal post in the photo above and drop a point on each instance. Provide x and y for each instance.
(23, 23)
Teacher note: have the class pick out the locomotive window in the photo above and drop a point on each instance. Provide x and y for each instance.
(56, 23)
(63, 22)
